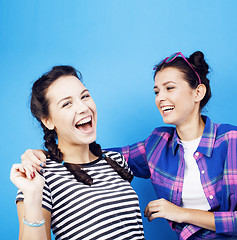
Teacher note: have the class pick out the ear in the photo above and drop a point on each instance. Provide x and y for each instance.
(200, 92)
(47, 123)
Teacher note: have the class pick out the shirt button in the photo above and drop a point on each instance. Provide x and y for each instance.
(197, 154)
(203, 171)
(211, 197)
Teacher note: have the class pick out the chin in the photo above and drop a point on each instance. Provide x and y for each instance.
(92, 139)
(167, 120)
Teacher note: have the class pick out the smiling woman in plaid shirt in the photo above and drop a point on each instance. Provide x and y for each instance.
(193, 166)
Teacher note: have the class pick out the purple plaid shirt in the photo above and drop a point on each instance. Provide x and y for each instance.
(161, 157)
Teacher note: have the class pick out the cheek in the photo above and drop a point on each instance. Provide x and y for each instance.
(93, 108)
(60, 119)
(157, 102)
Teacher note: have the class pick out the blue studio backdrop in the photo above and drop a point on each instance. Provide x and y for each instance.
(114, 44)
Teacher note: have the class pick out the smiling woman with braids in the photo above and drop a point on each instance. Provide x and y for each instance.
(83, 193)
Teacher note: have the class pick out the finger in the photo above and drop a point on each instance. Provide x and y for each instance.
(29, 170)
(40, 155)
(36, 157)
(150, 205)
(146, 211)
(151, 210)
(16, 171)
(153, 216)
(32, 166)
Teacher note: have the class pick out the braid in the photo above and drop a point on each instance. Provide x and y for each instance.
(55, 154)
(96, 150)
(50, 143)
(79, 174)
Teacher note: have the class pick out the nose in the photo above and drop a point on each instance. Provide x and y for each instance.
(81, 107)
(160, 97)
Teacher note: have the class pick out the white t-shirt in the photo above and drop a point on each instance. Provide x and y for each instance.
(192, 195)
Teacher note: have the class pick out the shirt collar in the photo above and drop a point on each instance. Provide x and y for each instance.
(206, 144)
(175, 142)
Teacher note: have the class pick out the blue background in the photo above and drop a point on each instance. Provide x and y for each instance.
(115, 44)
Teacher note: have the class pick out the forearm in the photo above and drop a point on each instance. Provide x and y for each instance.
(162, 208)
(32, 225)
(32, 213)
(200, 218)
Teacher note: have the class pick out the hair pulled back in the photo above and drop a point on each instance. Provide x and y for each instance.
(198, 62)
(40, 109)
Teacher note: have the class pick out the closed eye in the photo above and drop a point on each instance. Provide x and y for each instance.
(66, 104)
(85, 96)
(170, 88)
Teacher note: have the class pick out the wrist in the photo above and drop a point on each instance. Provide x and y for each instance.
(33, 201)
(184, 215)
(33, 211)
(33, 196)
(34, 224)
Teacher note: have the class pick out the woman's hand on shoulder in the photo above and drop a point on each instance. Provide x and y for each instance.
(32, 160)
(162, 208)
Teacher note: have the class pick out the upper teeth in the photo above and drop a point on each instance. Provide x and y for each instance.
(167, 108)
(84, 120)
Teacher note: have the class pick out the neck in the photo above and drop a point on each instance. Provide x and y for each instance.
(77, 154)
(192, 129)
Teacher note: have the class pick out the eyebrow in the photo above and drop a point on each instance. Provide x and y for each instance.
(166, 83)
(69, 97)
(85, 90)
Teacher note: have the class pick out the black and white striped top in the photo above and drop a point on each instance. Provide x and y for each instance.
(108, 209)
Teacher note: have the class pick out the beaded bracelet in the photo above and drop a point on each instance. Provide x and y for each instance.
(34, 224)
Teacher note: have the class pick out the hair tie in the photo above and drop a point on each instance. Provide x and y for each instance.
(103, 155)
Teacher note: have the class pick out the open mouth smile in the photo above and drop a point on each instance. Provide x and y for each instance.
(167, 109)
(85, 124)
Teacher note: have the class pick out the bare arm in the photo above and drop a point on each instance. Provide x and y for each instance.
(26, 232)
(162, 208)
(31, 208)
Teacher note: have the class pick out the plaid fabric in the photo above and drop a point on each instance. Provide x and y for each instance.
(161, 157)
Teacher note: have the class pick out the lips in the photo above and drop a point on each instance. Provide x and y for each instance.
(85, 124)
(167, 109)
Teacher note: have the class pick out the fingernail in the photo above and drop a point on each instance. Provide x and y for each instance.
(41, 165)
(42, 170)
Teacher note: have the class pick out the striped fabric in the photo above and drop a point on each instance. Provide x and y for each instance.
(109, 209)
(162, 153)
